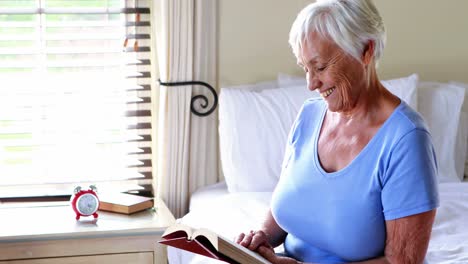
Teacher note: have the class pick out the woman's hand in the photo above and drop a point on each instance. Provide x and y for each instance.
(253, 240)
(269, 254)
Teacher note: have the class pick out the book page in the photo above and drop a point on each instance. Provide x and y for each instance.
(240, 253)
(193, 233)
(123, 199)
(212, 237)
(178, 227)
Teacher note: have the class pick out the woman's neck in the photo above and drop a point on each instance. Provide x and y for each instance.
(373, 105)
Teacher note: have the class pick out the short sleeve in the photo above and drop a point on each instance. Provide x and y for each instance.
(409, 185)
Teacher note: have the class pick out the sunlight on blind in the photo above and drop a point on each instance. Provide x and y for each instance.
(75, 95)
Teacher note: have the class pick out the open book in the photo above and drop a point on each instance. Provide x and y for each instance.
(209, 244)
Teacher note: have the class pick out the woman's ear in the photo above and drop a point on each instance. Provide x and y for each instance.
(368, 53)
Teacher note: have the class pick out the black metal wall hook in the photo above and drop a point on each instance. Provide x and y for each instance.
(204, 99)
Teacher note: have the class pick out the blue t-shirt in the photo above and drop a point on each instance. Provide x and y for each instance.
(340, 216)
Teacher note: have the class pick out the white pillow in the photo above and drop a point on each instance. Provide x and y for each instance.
(461, 146)
(464, 85)
(405, 88)
(257, 86)
(291, 80)
(440, 105)
(253, 129)
(462, 136)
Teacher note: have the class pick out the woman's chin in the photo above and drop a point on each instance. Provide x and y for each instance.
(333, 106)
(330, 106)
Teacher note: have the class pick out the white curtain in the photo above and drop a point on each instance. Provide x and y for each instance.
(186, 145)
(204, 155)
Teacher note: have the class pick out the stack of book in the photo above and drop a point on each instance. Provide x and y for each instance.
(124, 203)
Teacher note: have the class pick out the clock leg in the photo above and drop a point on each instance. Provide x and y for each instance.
(95, 215)
(77, 217)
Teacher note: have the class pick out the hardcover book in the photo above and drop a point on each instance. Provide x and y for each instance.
(209, 244)
(124, 203)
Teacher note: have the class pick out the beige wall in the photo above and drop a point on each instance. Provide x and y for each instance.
(428, 37)
(253, 39)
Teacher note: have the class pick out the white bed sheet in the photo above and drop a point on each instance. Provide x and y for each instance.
(208, 194)
(449, 240)
(231, 213)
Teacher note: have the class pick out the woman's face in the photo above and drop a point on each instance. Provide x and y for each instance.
(338, 77)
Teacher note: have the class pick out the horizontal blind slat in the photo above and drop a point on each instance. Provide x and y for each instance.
(138, 113)
(81, 24)
(140, 126)
(94, 50)
(84, 11)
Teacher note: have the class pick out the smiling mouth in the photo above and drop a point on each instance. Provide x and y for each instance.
(327, 92)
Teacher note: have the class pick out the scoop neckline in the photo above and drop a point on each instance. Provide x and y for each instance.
(360, 155)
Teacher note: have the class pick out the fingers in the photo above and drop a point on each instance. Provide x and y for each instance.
(244, 239)
(253, 240)
(247, 239)
(259, 239)
(267, 253)
(240, 238)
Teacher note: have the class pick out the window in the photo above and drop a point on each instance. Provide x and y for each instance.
(75, 96)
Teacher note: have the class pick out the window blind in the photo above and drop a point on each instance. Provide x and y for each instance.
(75, 98)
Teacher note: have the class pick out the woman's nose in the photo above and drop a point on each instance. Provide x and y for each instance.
(314, 83)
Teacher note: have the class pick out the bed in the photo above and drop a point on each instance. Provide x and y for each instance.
(251, 163)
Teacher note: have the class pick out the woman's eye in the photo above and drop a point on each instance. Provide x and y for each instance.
(321, 68)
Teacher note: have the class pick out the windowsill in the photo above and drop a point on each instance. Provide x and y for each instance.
(6, 205)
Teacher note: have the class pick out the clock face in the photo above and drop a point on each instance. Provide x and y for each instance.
(87, 204)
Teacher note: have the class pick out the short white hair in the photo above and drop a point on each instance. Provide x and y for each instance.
(349, 23)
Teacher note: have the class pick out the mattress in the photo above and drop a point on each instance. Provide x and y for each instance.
(207, 195)
(232, 213)
(449, 240)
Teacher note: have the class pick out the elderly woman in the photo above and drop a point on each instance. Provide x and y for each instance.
(359, 176)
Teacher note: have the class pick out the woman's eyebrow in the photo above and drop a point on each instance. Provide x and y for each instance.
(313, 60)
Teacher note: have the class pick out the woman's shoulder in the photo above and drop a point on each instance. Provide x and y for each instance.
(403, 122)
(406, 118)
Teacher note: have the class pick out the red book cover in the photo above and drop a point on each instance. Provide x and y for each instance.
(193, 246)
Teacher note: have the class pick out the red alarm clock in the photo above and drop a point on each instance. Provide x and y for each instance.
(85, 203)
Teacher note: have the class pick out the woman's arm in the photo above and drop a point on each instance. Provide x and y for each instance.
(275, 234)
(270, 234)
(407, 239)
